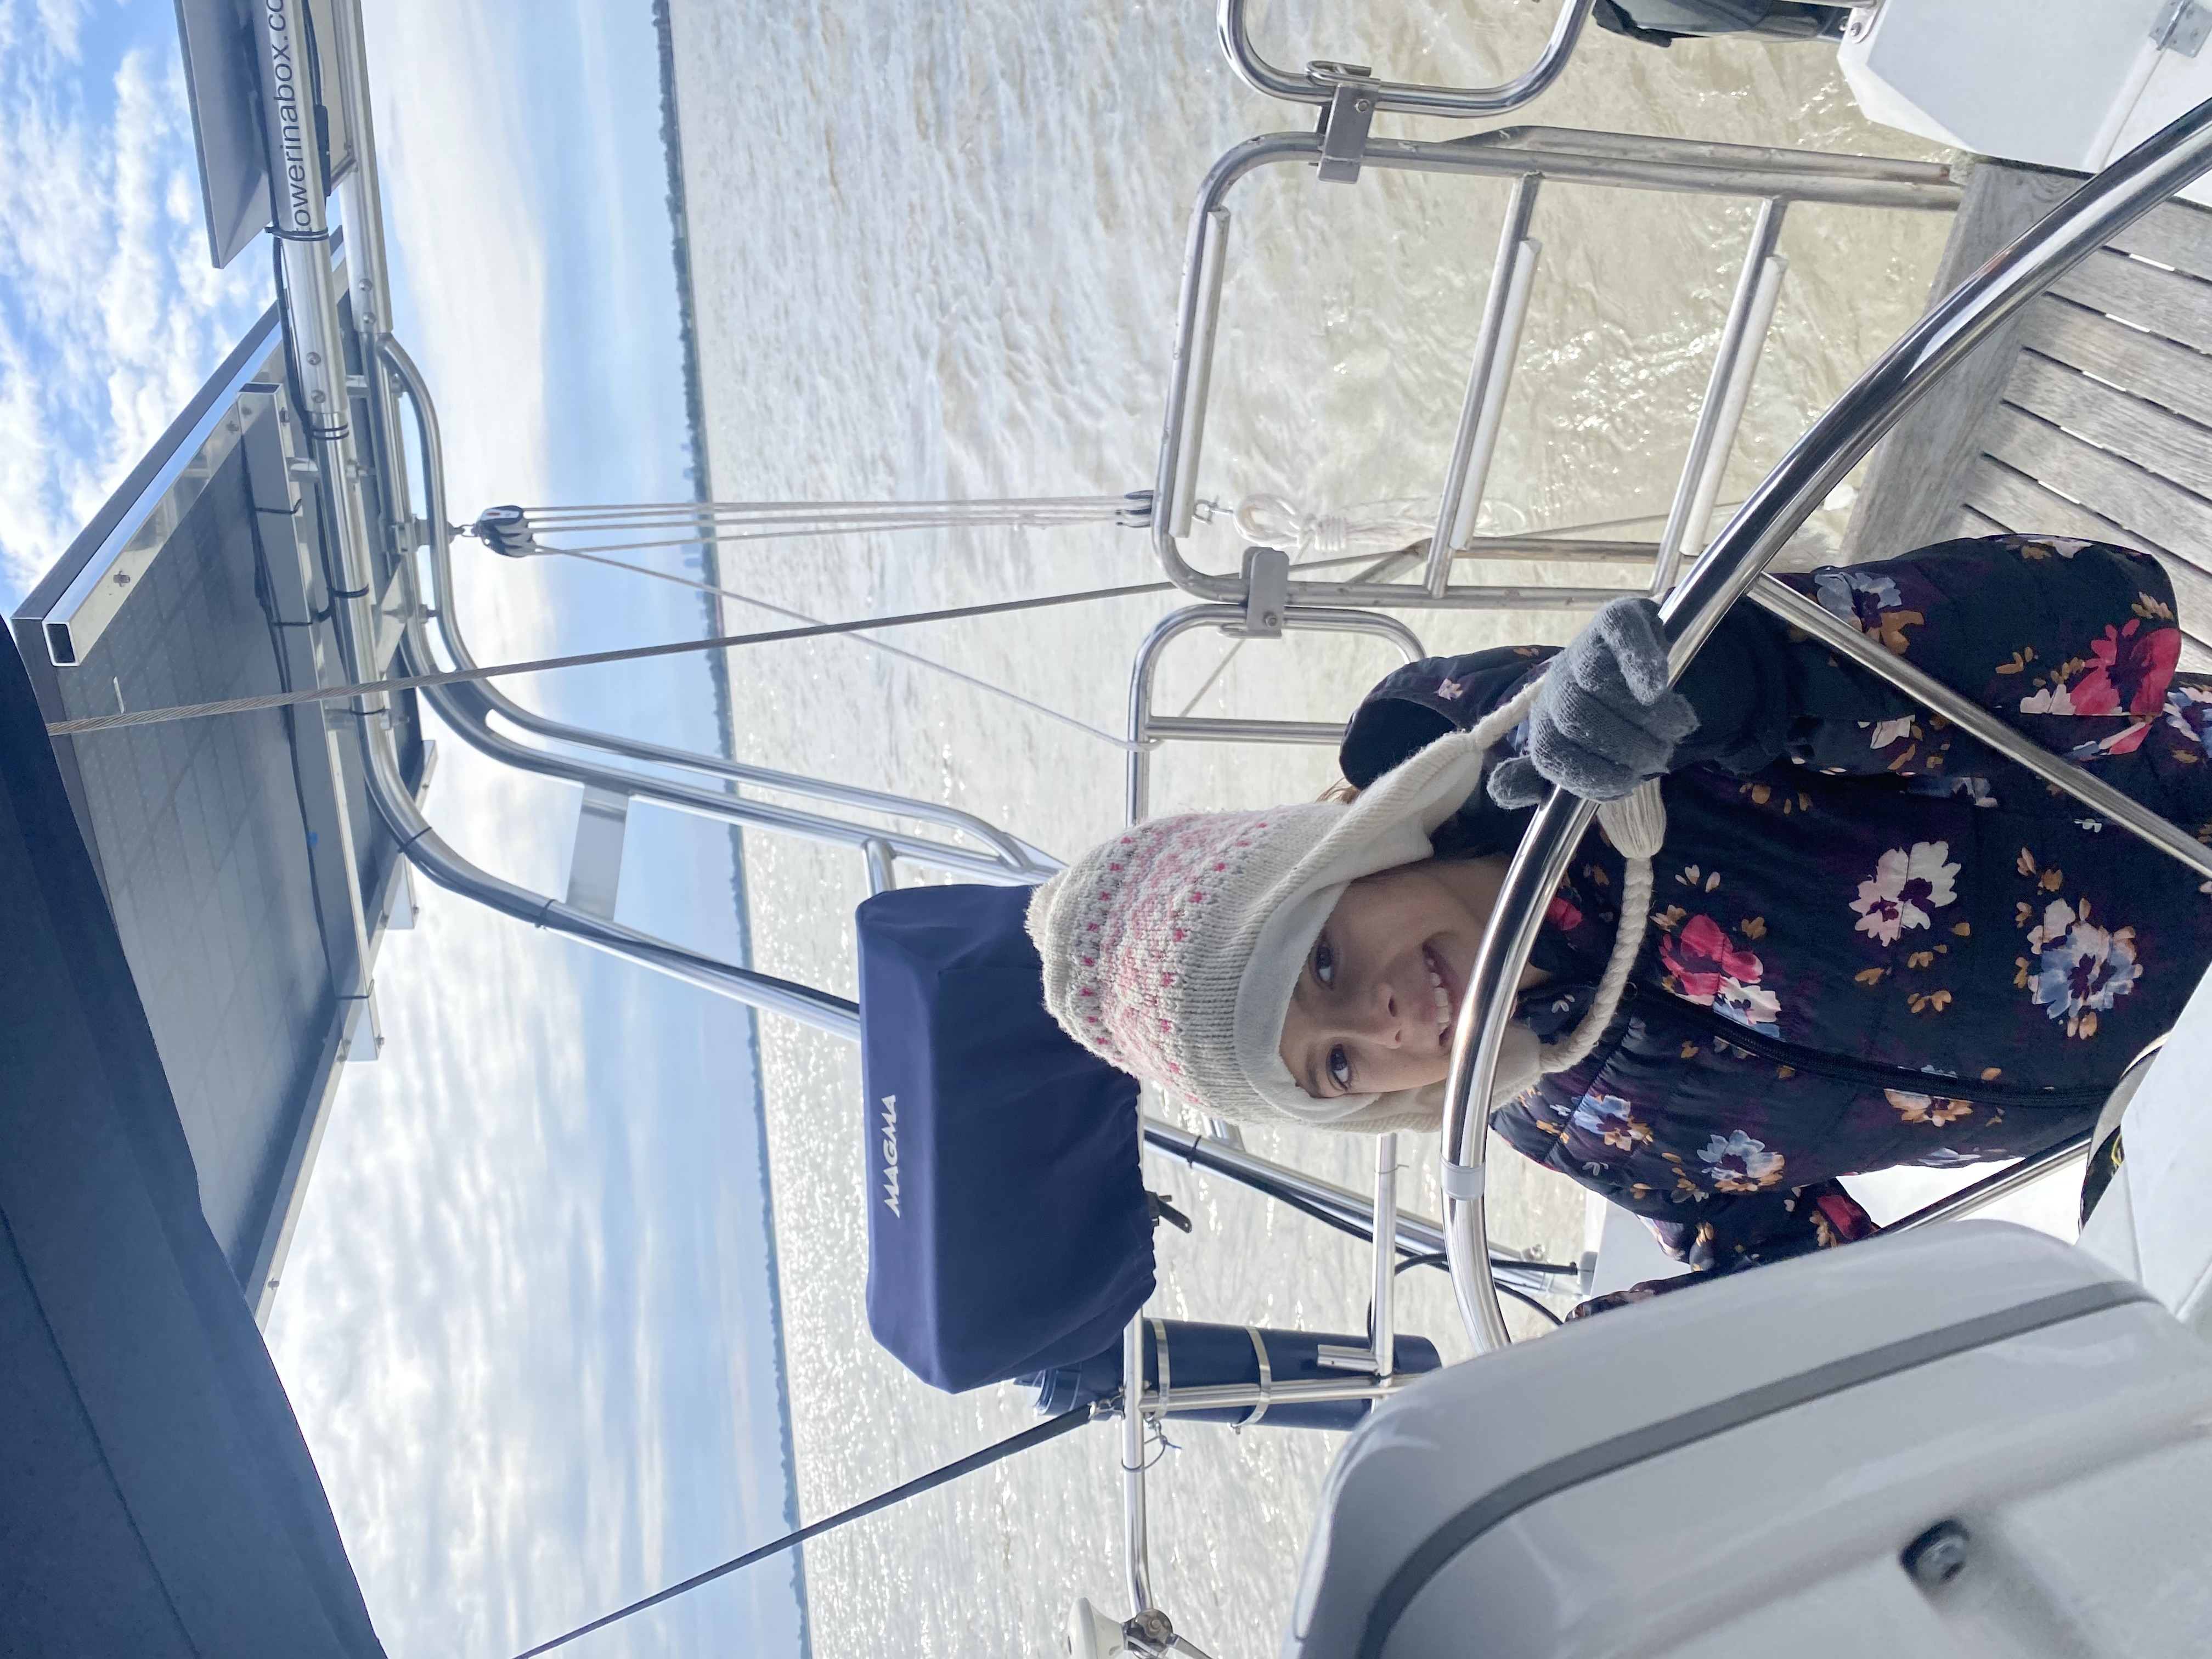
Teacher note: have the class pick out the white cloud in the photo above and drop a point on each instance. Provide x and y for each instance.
(471, 263)
(521, 1320)
(517, 1320)
(109, 316)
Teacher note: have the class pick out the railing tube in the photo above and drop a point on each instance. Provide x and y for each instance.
(1383, 1339)
(1625, 160)
(1353, 1385)
(361, 196)
(1743, 335)
(1406, 97)
(1136, 1545)
(1505, 309)
(1845, 639)
(1734, 397)
(1213, 260)
(1009, 858)
(1819, 461)
(1147, 729)
(1233, 1161)
(395, 804)
(1956, 1206)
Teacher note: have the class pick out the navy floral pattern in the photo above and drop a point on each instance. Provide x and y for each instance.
(1872, 942)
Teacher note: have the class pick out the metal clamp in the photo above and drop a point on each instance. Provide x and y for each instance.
(1266, 1379)
(1345, 120)
(1267, 593)
(1148, 730)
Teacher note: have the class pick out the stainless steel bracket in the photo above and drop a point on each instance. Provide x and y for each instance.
(2181, 26)
(1267, 593)
(1345, 119)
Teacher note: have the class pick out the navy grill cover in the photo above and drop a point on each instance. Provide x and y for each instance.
(1008, 1229)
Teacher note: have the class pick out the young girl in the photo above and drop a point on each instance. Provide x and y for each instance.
(1870, 941)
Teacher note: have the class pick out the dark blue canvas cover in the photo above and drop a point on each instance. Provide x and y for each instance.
(1008, 1231)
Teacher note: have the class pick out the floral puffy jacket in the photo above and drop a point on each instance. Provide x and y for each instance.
(1873, 942)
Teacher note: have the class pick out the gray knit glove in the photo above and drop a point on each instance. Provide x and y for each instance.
(1604, 718)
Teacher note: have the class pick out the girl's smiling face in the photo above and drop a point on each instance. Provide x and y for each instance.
(1375, 1004)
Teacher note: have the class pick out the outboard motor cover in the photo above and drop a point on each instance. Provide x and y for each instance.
(1008, 1228)
(1966, 1439)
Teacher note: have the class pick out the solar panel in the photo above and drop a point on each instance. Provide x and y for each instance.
(226, 124)
(223, 80)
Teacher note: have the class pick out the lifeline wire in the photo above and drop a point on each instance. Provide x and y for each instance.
(889, 649)
(1051, 1429)
(1270, 521)
(585, 660)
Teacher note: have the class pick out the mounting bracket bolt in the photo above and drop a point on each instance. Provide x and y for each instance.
(1267, 593)
(1938, 1555)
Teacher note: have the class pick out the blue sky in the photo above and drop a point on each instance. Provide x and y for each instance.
(528, 1319)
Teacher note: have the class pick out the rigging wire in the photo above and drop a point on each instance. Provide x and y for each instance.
(1051, 1429)
(513, 530)
(582, 659)
(884, 646)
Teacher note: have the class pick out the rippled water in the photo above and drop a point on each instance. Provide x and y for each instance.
(936, 253)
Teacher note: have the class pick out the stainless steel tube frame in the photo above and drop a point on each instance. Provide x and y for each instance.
(1505, 309)
(1416, 1235)
(1228, 1396)
(1005, 859)
(360, 201)
(361, 194)
(1714, 436)
(1625, 160)
(1316, 84)
(1148, 729)
(311, 308)
(429, 854)
(464, 708)
(1213, 263)
(297, 195)
(1136, 1546)
(1814, 465)
(1382, 1296)
(1954, 1206)
(2006, 1181)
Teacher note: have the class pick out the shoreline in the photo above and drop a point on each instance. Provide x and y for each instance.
(713, 610)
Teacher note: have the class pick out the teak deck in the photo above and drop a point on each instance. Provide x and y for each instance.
(2091, 414)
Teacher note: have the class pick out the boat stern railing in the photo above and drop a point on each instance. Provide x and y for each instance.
(1528, 158)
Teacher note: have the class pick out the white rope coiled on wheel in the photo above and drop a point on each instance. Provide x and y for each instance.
(1636, 826)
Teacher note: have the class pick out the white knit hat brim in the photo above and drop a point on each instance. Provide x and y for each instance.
(1387, 826)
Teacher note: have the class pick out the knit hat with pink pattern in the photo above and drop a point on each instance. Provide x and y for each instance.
(1171, 950)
